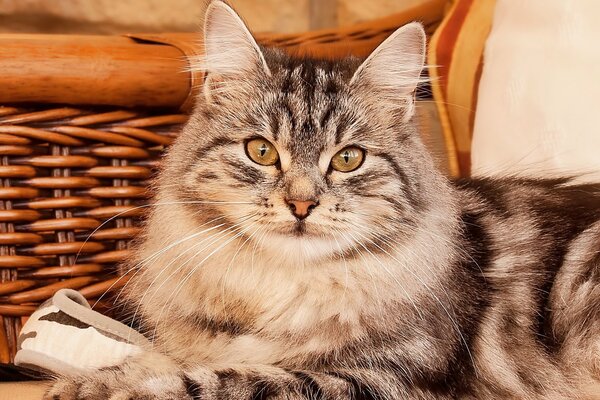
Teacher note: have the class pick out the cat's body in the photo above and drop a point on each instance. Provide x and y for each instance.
(513, 311)
(394, 282)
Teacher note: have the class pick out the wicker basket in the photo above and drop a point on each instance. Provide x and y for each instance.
(83, 122)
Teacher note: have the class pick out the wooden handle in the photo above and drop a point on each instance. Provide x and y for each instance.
(151, 70)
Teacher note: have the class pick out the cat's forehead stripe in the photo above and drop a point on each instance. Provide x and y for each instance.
(309, 106)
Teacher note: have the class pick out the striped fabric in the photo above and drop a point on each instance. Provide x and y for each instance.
(94, 340)
(455, 56)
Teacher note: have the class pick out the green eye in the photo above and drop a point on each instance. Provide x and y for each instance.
(262, 152)
(348, 159)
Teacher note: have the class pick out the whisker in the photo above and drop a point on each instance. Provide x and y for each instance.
(139, 264)
(145, 206)
(188, 276)
(213, 238)
(346, 272)
(419, 312)
(224, 279)
(435, 297)
(164, 268)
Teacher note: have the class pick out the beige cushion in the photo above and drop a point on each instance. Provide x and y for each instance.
(537, 112)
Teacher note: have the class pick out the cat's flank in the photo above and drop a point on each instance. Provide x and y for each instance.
(304, 246)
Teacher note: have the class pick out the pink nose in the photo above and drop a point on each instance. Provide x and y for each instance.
(301, 208)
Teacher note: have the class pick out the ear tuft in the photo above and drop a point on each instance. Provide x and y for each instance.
(395, 66)
(229, 48)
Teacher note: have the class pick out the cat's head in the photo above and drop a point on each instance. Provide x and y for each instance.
(305, 157)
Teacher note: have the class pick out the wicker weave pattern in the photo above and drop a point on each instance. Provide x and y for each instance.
(71, 180)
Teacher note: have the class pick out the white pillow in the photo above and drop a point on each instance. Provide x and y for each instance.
(538, 111)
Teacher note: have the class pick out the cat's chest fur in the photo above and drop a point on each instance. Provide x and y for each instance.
(213, 300)
(251, 315)
(255, 309)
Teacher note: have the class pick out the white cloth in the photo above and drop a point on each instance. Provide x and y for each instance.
(538, 111)
(65, 336)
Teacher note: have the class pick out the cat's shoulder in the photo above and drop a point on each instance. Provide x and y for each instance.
(559, 196)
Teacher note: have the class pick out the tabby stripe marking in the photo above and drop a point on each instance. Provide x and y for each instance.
(192, 388)
(308, 386)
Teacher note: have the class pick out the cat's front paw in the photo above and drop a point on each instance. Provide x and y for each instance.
(118, 385)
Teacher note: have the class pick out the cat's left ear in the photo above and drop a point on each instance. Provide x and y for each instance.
(394, 67)
(230, 51)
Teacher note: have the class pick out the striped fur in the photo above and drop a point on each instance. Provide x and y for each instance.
(400, 283)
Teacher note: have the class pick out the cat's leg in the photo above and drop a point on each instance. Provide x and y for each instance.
(149, 376)
(245, 382)
(155, 377)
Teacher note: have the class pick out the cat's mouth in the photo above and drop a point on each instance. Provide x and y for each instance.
(299, 228)
(308, 241)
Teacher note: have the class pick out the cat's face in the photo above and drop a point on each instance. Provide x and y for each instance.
(304, 157)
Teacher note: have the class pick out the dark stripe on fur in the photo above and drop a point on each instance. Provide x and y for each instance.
(326, 115)
(562, 216)
(561, 212)
(308, 386)
(275, 125)
(413, 198)
(494, 193)
(342, 124)
(458, 377)
(462, 371)
(368, 182)
(264, 390)
(214, 144)
(243, 172)
(360, 391)
(192, 388)
(215, 328)
(285, 104)
(206, 176)
(591, 270)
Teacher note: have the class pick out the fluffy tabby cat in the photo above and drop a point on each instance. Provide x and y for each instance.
(304, 246)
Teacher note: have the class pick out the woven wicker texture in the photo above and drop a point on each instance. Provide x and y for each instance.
(71, 179)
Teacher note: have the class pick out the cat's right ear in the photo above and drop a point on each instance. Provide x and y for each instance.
(230, 51)
(393, 70)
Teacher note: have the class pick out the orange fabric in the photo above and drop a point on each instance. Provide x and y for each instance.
(448, 35)
(456, 56)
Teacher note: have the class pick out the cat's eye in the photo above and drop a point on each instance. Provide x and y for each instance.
(262, 152)
(348, 159)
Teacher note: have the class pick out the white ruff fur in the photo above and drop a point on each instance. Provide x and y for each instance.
(288, 286)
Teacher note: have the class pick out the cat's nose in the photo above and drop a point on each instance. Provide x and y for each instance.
(301, 208)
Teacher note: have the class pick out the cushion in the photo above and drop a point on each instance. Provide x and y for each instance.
(537, 113)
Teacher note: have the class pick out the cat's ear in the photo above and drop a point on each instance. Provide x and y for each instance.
(230, 51)
(394, 67)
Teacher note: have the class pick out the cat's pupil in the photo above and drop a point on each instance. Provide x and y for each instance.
(346, 156)
(263, 150)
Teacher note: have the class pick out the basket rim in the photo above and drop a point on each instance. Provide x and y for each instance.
(152, 70)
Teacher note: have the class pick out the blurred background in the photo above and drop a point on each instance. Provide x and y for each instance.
(110, 16)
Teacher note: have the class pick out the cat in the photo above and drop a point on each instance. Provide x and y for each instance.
(304, 246)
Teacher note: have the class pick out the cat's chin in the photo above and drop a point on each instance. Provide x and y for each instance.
(303, 246)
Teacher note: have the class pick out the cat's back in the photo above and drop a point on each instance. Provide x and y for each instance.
(533, 229)
(542, 239)
(559, 208)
